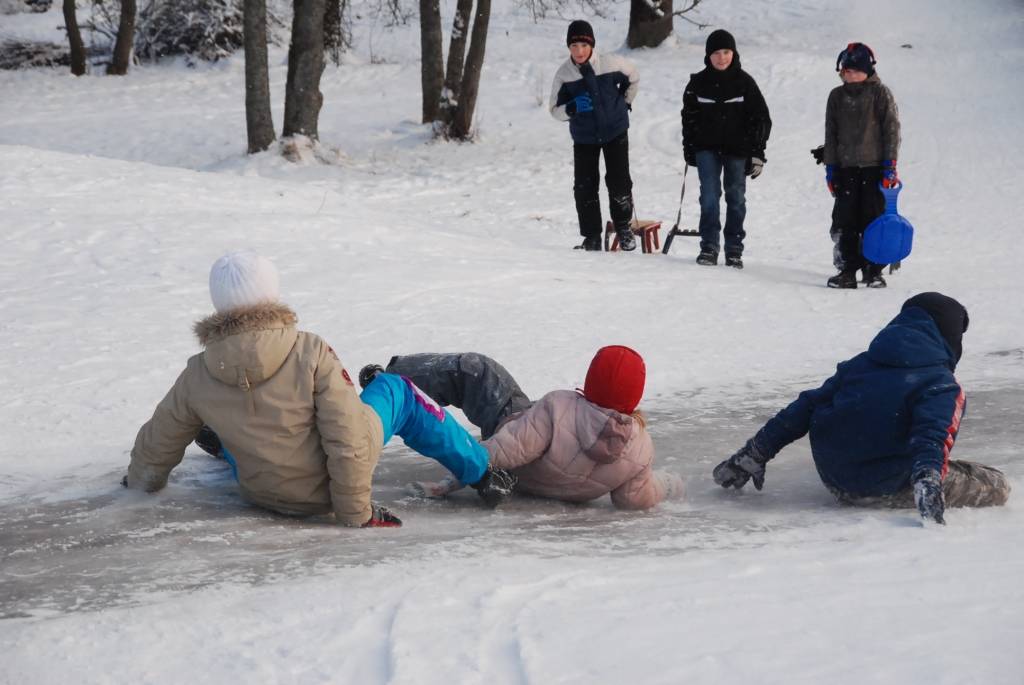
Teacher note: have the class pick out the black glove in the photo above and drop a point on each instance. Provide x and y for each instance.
(124, 481)
(381, 517)
(747, 463)
(689, 155)
(928, 496)
(819, 154)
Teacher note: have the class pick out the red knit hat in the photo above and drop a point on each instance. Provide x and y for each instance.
(616, 378)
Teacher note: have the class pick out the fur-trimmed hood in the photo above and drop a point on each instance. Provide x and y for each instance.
(259, 317)
(246, 346)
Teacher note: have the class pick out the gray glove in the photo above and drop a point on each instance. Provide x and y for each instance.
(747, 463)
(755, 166)
(928, 496)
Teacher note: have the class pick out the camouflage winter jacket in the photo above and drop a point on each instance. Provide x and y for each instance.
(862, 125)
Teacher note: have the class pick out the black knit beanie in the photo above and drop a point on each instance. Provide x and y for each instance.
(580, 32)
(720, 39)
(949, 315)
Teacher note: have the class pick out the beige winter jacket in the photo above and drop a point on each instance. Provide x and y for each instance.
(862, 125)
(568, 448)
(282, 405)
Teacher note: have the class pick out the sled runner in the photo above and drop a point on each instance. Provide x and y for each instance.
(675, 230)
(889, 238)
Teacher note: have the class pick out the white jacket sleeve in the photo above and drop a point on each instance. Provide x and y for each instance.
(557, 111)
(630, 70)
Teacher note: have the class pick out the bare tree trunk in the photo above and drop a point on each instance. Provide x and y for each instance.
(456, 62)
(431, 57)
(259, 122)
(125, 39)
(462, 121)
(650, 23)
(303, 99)
(333, 42)
(74, 38)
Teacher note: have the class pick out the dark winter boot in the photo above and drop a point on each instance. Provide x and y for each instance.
(845, 280)
(495, 487)
(627, 241)
(734, 260)
(208, 442)
(368, 373)
(707, 258)
(873, 276)
(591, 243)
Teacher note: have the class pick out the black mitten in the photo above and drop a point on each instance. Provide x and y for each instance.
(747, 463)
(928, 496)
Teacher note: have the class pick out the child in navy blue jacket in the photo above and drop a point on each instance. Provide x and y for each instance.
(593, 93)
(883, 426)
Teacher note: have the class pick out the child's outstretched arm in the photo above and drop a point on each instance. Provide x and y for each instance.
(161, 442)
(647, 488)
(346, 436)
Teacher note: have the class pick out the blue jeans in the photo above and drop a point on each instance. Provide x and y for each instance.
(405, 411)
(711, 167)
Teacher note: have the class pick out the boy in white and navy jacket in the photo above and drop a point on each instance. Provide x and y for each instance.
(593, 93)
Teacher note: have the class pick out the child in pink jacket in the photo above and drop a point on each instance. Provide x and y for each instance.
(568, 445)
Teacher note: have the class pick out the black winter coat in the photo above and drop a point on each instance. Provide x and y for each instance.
(724, 111)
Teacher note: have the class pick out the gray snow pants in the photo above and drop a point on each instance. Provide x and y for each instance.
(966, 484)
(479, 386)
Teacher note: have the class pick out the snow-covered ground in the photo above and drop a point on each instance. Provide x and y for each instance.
(117, 194)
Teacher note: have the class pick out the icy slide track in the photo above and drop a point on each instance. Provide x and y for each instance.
(90, 546)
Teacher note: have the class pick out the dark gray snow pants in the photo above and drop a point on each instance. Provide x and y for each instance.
(481, 387)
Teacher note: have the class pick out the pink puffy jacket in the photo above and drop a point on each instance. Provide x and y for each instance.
(565, 447)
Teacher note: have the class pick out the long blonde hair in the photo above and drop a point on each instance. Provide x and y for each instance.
(640, 418)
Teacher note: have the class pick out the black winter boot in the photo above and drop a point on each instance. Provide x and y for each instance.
(734, 260)
(873, 276)
(495, 487)
(627, 241)
(368, 373)
(844, 280)
(591, 243)
(707, 258)
(208, 442)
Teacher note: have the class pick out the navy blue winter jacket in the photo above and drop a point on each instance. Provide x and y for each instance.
(612, 83)
(885, 416)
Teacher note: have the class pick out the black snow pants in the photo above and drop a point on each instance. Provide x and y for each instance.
(587, 182)
(481, 387)
(858, 203)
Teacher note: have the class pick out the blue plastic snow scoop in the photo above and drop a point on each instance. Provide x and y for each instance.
(890, 237)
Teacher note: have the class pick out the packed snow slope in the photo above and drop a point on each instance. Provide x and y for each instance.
(118, 193)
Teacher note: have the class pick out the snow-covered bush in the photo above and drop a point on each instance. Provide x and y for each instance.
(15, 6)
(21, 54)
(198, 29)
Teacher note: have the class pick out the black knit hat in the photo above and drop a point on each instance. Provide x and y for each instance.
(857, 56)
(580, 32)
(949, 315)
(720, 39)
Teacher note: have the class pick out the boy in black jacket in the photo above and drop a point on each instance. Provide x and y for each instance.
(725, 130)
